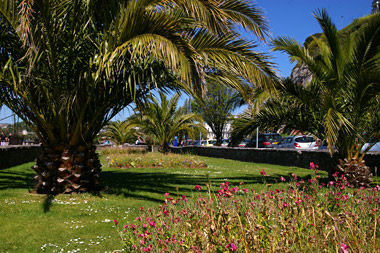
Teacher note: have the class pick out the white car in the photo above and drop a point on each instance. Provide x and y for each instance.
(375, 147)
(298, 142)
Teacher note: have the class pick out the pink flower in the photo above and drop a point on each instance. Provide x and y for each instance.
(262, 172)
(152, 224)
(138, 218)
(165, 212)
(166, 194)
(343, 248)
(184, 212)
(294, 176)
(235, 190)
(245, 190)
(198, 188)
(282, 179)
(116, 222)
(233, 246)
(312, 166)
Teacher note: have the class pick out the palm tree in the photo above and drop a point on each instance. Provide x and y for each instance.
(216, 107)
(69, 66)
(119, 133)
(162, 120)
(341, 102)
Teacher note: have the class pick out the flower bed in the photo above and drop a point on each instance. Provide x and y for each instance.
(308, 216)
(119, 158)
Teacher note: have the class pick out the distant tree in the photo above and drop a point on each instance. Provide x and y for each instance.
(163, 121)
(216, 107)
(119, 133)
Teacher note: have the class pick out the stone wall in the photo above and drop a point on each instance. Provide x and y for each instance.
(286, 157)
(18, 154)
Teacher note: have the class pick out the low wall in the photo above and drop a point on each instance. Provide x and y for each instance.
(286, 157)
(18, 154)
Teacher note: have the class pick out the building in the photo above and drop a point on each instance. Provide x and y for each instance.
(375, 6)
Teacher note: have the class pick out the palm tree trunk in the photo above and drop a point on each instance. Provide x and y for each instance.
(67, 170)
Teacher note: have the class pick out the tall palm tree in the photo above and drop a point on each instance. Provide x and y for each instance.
(341, 102)
(162, 120)
(69, 66)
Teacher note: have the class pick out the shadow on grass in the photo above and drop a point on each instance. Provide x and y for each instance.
(141, 185)
(16, 180)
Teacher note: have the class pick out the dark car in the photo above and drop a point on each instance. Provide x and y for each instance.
(266, 140)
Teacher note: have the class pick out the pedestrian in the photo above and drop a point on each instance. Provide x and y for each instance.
(3, 138)
(10, 139)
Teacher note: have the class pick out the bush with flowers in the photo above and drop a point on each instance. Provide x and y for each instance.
(307, 216)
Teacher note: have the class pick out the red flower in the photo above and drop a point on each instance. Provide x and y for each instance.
(262, 172)
(116, 222)
(198, 188)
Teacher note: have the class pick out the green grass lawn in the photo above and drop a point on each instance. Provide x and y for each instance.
(31, 223)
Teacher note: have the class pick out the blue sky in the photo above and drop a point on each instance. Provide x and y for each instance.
(294, 18)
(291, 18)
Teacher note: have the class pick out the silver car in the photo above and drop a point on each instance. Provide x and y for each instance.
(298, 142)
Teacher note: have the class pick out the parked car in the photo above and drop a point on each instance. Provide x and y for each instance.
(298, 142)
(208, 143)
(243, 143)
(376, 145)
(225, 143)
(266, 140)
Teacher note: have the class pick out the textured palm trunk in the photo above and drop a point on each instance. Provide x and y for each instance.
(356, 172)
(67, 170)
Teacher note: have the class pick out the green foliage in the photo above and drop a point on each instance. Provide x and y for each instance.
(162, 120)
(119, 133)
(216, 107)
(124, 158)
(339, 104)
(68, 67)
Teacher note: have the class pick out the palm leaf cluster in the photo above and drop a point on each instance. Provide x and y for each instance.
(69, 66)
(163, 121)
(340, 103)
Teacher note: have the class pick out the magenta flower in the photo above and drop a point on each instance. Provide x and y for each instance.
(152, 224)
(116, 222)
(282, 179)
(343, 248)
(262, 172)
(166, 194)
(233, 246)
(198, 188)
